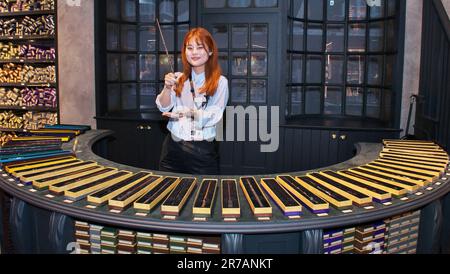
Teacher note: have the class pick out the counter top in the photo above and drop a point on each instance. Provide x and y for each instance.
(247, 224)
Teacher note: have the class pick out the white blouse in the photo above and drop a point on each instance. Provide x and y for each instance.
(208, 116)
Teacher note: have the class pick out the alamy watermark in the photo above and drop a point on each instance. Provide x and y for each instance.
(73, 248)
(256, 123)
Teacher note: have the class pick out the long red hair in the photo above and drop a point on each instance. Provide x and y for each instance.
(212, 68)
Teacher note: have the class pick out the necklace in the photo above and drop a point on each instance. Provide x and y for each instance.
(198, 102)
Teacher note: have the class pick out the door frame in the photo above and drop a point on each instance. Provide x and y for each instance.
(241, 150)
(274, 45)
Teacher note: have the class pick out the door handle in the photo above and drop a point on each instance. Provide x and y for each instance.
(142, 127)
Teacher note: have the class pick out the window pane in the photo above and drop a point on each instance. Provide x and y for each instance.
(373, 104)
(239, 3)
(147, 38)
(179, 63)
(239, 63)
(335, 38)
(259, 64)
(112, 42)
(299, 9)
(220, 34)
(336, 10)
(148, 96)
(375, 70)
(129, 10)
(183, 10)
(296, 101)
(223, 61)
(356, 38)
(113, 9)
(240, 36)
(181, 33)
(147, 64)
(334, 69)
(147, 10)
(113, 97)
(297, 39)
(376, 36)
(389, 70)
(164, 65)
(266, 3)
(258, 91)
(312, 100)
(168, 32)
(113, 67)
(315, 10)
(214, 4)
(314, 69)
(297, 68)
(129, 67)
(288, 75)
(332, 100)
(128, 37)
(354, 101)
(166, 11)
(355, 70)
(357, 10)
(260, 36)
(315, 36)
(129, 97)
(239, 91)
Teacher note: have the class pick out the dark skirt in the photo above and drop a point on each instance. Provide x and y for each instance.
(196, 157)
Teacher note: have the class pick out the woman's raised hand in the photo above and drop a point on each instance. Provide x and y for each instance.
(171, 80)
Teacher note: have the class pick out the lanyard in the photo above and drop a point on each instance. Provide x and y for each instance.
(205, 103)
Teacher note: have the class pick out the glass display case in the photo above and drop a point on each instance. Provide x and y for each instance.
(243, 57)
(349, 50)
(332, 47)
(136, 62)
(29, 84)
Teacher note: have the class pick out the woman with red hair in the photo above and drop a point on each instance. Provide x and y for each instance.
(194, 100)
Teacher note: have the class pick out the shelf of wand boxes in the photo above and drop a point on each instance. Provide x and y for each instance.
(27, 26)
(27, 53)
(28, 65)
(26, 7)
(100, 239)
(30, 98)
(28, 121)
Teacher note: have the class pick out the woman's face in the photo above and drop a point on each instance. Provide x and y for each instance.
(196, 54)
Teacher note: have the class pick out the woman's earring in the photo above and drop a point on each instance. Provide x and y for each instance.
(210, 54)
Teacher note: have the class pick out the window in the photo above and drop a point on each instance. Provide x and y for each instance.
(136, 61)
(341, 56)
(243, 55)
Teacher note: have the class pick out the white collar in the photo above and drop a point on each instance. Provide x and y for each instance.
(198, 78)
